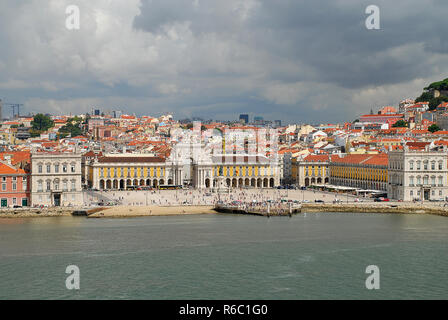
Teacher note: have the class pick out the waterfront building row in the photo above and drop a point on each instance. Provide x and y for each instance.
(116, 172)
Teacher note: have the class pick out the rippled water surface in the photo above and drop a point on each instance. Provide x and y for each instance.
(312, 256)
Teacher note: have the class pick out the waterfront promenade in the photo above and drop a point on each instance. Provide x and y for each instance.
(187, 202)
(206, 197)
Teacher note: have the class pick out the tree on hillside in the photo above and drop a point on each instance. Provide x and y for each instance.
(41, 122)
(433, 128)
(439, 85)
(424, 97)
(72, 128)
(400, 124)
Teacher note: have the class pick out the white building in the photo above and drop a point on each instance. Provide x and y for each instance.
(417, 174)
(56, 179)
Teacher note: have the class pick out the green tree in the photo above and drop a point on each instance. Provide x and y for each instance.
(439, 85)
(41, 123)
(400, 124)
(72, 128)
(434, 102)
(424, 97)
(433, 128)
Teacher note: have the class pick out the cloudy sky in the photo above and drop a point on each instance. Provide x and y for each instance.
(294, 60)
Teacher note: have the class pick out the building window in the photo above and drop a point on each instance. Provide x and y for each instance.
(64, 184)
(411, 193)
(440, 192)
(14, 186)
(73, 197)
(425, 180)
(3, 186)
(433, 181)
(411, 165)
(39, 186)
(433, 165)
(48, 185)
(73, 185)
(14, 200)
(39, 168)
(56, 168)
(73, 168)
(440, 165)
(48, 168)
(425, 165)
(419, 180)
(64, 168)
(411, 181)
(440, 180)
(418, 165)
(56, 185)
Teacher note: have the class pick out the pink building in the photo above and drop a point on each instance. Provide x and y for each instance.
(14, 190)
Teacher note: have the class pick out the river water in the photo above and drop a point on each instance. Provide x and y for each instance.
(310, 256)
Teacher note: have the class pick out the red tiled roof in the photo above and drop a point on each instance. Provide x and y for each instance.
(6, 169)
(369, 159)
(316, 158)
(130, 159)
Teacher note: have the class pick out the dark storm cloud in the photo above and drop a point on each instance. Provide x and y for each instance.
(329, 36)
(289, 59)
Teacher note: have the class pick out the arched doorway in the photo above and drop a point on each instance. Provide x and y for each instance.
(101, 184)
(307, 182)
(272, 183)
(207, 183)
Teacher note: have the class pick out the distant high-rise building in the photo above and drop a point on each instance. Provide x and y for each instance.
(96, 112)
(117, 114)
(258, 120)
(244, 118)
(1, 109)
(278, 123)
